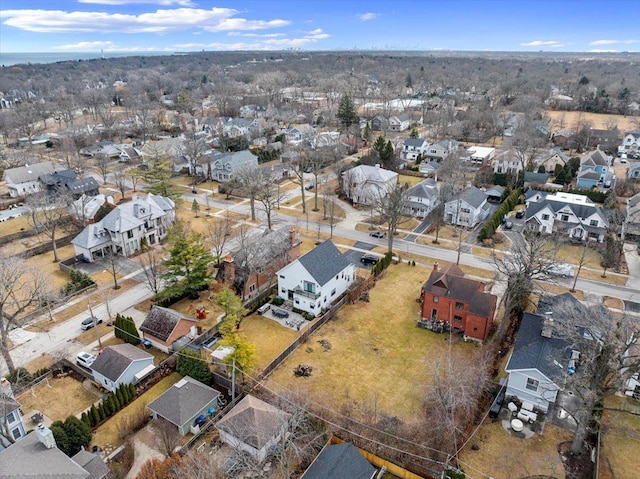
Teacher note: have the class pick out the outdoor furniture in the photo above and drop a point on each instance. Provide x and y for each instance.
(36, 418)
(527, 416)
(512, 408)
(517, 425)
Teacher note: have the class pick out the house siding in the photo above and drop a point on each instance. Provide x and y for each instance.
(542, 398)
(472, 325)
(127, 377)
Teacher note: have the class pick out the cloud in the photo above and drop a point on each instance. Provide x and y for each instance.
(603, 51)
(541, 43)
(269, 43)
(160, 21)
(86, 46)
(365, 17)
(164, 3)
(613, 42)
(255, 35)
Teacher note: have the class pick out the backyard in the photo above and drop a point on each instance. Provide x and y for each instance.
(372, 354)
(619, 458)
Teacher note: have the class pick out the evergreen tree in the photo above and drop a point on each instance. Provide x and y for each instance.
(117, 402)
(95, 416)
(78, 435)
(132, 392)
(191, 364)
(85, 419)
(347, 112)
(125, 329)
(195, 207)
(101, 412)
(60, 435)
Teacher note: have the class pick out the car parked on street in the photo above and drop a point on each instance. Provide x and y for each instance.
(376, 234)
(85, 359)
(89, 323)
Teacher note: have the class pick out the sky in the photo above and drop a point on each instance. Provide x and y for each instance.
(195, 25)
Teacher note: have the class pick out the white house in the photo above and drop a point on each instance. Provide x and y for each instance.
(121, 364)
(253, 426)
(314, 281)
(399, 123)
(144, 220)
(481, 155)
(467, 209)
(442, 149)
(225, 166)
(364, 184)
(23, 180)
(414, 148)
(575, 215)
(630, 142)
(11, 420)
(421, 198)
(507, 162)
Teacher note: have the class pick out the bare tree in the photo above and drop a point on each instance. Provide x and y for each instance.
(120, 180)
(269, 196)
(111, 257)
(134, 175)
(103, 163)
(251, 182)
(390, 207)
(49, 212)
(581, 261)
(607, 359)
(26, 119)
(21, 288)
(217, 233)
(528, 260)
(151, 264)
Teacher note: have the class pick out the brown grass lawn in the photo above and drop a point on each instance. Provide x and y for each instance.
(568, 253)
(611, 278)
(107, 433)
(377, 356)
(65, 397)
(269, 337)
(552, 288)
(14, 225)
(411, 180)
(571, 119)
(188, 306)
(611, 302)
(43, 361)
(620, 440)
(503, 456)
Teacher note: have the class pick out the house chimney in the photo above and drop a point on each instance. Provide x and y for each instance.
(229, 270)
(5, 388)
(46, 436)
(547, 326)
(292, 235)
(435, 266)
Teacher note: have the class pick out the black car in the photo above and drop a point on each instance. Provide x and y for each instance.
(369, 259)
(520, 214)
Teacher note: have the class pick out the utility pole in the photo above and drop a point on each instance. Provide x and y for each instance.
(95, 326)
(233, 380)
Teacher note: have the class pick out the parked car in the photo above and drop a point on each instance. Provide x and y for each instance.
(376, 234)
(369, 259)
(85, 359)
(559, 269)
(520, 214)
(508, 225)
(89, 323)
(264, 308)
(309, 186)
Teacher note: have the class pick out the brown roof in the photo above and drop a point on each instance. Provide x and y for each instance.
(450, 283)
(160, 322)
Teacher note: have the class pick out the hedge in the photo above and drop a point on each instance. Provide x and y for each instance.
(507, 205)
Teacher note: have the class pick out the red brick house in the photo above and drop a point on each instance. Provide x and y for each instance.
(253, 266)
(448, 297)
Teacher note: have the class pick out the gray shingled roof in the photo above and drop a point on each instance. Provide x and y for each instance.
(339, 461)
(474, 196)
(28, 458)
(23, 174)
(415, 142)
(324, 262)
(160, 322)
(92, 463)
(425, 189)
(182, 401)
(114, 360)
(254, 421)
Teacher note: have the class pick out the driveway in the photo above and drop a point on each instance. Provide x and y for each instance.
(353, 255)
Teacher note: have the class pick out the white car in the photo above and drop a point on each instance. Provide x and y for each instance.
(559, 269)
(85, 359)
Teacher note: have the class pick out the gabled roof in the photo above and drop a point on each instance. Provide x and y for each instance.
(533, 177)
(92, 236)
(114, 360)
(425, 189)
(234, 159)
(595, 158)
(339, 461)
(450, 282)
(363, 173)
(28, 458)
(472, 195)
(254, 421)
(534, 351)
(160, 322)
(497, 190)
(324, 262)
(23, 174)
(415, 142)
(182, 401)
(92, 463)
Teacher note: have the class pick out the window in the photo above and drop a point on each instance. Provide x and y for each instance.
(436, 299)
(532, 384)
(593, 223)
(457, 318)
(283, 290)
(333, 292)
(459, 305)
(281, 276)
(434, 314)
(545, 217)
(16, 433)
(297, 301)
(11, 418)
(309, 287)
(252, 288)
(129, 234)
(564, 217)
(311, 306)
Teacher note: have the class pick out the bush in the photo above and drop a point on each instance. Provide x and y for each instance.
(77, 281)
(71, 435)
(191, 364)
(20, 377)
(277, 301)
(41, 372)
(125, 329)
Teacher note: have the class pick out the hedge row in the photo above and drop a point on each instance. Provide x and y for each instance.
(383, 264)
(507, 205)
(124, 394)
